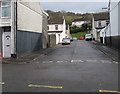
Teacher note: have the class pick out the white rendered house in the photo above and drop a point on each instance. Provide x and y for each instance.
(80, 22)
(99, 22)
(58, 28)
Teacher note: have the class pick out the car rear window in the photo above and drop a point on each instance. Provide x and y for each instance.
(88, 35)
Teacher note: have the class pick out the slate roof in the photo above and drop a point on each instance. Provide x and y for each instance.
(55, 21)
(102, 16)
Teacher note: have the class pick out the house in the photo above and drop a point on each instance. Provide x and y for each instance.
(58, 28)
(111, 33)
(99, 21)
(21, 28)
(80, 22)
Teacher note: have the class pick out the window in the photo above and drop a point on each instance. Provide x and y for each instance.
(5, 9)
(56, 27)
(48, 27)
(99, 24)
(107, 22)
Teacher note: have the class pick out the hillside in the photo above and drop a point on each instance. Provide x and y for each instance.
(69, 16)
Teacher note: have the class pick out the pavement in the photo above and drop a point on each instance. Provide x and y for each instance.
(29, 58)
(111, 52)
(78, 67)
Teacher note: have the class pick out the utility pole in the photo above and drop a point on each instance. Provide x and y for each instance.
(109, 22)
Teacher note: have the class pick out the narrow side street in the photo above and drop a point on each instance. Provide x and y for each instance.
(78, 67)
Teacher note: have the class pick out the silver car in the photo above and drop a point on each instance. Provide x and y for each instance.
(66, 41)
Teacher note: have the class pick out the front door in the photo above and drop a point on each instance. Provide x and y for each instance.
(6, 44)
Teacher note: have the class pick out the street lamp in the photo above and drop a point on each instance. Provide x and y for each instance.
(105, 8)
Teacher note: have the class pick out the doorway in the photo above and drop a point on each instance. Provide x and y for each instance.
(6, 42)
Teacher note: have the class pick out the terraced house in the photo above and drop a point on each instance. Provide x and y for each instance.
(58, 28)
(99, 21)
(21, 28)
(111, 33)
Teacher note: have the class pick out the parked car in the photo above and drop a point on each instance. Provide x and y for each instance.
(71, 39)
(88, 37)
(66, 41)
(81, 38)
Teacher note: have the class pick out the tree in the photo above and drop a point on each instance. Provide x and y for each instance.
(86, 27)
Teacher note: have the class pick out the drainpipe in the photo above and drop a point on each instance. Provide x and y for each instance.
(13, 27)
(0, 42)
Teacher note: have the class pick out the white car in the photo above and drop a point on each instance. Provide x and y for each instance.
(66, 41)
(88, 37)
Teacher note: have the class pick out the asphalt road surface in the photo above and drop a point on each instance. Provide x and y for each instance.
(78, 67)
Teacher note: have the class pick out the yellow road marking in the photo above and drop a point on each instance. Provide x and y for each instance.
(2, 83)
(109, 91)
(45, 86)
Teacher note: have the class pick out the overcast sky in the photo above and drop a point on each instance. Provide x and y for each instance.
(78, 6)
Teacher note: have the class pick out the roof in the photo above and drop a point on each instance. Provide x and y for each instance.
(55, 21)
(101, 16)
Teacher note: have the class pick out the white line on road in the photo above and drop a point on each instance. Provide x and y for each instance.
(59, 61)
(106, 61)
(47, 62)
(92, 61)
(115, 62)
(2, 83)
(72, 61)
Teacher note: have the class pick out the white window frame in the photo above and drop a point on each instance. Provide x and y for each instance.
(99, 23)
(1, 16)
(56, 27)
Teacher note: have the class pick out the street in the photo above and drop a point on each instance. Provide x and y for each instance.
(78, 67)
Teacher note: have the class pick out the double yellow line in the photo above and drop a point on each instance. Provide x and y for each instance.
(45, 86)
(60, 87)
(109, 91)
(2, 83)
(31, 85)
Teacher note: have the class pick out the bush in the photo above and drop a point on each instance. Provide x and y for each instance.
(83, 28)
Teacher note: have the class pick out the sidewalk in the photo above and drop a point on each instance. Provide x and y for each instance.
(110, 52)
(32, 57)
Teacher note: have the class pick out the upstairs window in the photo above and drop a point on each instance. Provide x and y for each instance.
(5, 9)
(56, 27)
(48, 27)
(99, 24)
(107, 22)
